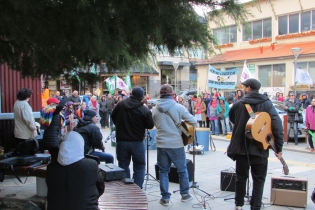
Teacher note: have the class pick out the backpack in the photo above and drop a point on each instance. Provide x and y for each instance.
(27, 147)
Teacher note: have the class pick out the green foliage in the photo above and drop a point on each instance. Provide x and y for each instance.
(52, 37)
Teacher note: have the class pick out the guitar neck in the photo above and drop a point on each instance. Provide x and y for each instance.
(284, 164)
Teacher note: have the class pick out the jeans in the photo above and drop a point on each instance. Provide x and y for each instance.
(109, 117)
(294, 126)
(225, 123)
(164, 159)
(135, 150)
(103, 156)
(258, 168)
(215, 127)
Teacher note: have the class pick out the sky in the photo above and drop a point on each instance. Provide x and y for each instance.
(200, 10)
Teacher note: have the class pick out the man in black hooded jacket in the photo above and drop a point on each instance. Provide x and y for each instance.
(246, 152)
(131, 118)
(92, 136)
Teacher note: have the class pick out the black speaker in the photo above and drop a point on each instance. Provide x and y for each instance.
(228, 181)
(173, 175)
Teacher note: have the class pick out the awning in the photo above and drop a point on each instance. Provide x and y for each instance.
(144, 72)
(271, 51)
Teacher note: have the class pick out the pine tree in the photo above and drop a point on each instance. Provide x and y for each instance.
(53, 37)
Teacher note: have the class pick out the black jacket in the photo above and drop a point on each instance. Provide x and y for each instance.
(240, 144)
(291, 113)
(131, 118)
(91, 134)
(103, 106)
(75, 186)
(52, 135)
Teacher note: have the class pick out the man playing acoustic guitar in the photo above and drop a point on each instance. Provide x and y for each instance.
(170, 146)
(248, 153)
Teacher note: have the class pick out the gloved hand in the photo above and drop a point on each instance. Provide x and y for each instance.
(291, 108)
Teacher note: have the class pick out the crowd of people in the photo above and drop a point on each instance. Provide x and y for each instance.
(131, 116)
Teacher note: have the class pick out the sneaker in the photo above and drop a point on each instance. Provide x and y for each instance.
(312, 150)
(186, 197)
(164, 202)
(238, 208)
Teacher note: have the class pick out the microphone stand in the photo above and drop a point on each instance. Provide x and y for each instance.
(147, 175)
(194, 184)
(247, 192)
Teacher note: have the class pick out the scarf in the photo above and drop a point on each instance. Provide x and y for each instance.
(198, 107)
(46, 115)
(214, 104)
(93, 103)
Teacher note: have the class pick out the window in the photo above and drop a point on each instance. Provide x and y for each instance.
(165, 52)
(257, 29)
(196, 53)
(295, 23)
(272, 75)
(225, 35)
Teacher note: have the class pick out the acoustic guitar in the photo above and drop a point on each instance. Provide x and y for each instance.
(259, 129)
(191, 130)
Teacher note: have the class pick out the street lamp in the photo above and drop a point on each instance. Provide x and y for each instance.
(296, 52)
(175, 65)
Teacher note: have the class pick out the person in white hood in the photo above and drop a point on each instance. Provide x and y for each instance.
(73, 181)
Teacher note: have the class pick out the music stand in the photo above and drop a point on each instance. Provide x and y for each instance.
(147, 175)
(194, 184)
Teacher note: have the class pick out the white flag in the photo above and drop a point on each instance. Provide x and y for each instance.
(120, 84)
(246, 74)
(303, 77)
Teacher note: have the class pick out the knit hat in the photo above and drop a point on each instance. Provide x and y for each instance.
(89, 113)
(254, 84)
(166, 90)
(137, 92)
(69, 103)
(304, 94)
(52, 100)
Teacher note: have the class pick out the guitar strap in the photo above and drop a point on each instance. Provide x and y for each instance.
(250, 111)
(179, 126)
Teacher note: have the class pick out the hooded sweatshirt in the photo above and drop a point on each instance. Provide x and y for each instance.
(168, 135)
(239, 117)
(131, 118)
(226, 107)
(71, 149)
(91, 134)
(73, 181)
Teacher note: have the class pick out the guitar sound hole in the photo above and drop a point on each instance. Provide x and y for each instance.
(268, 138)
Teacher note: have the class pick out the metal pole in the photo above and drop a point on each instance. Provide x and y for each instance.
(295, 57)
(175, 79)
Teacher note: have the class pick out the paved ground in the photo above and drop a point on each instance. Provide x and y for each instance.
(208, 169)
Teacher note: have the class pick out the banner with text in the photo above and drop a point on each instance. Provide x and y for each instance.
(222, 79)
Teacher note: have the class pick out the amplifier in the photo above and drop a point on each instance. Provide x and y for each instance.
(173, 175)
(111, 172)
(288, 191)
(228, 179)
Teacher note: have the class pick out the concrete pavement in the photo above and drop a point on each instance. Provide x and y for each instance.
(208, 169)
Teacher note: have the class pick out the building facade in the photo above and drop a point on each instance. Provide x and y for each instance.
(266, 45)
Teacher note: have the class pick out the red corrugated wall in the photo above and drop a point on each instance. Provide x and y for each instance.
(11, 83)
